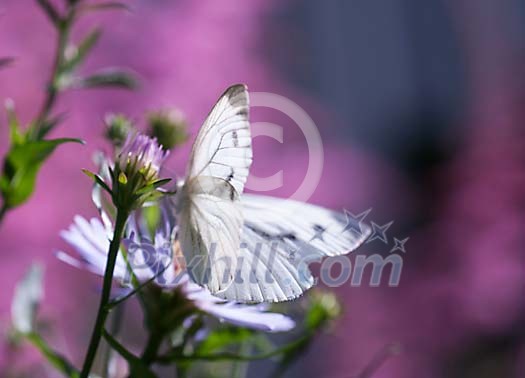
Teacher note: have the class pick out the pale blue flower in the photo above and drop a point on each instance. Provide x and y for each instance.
(153, 258)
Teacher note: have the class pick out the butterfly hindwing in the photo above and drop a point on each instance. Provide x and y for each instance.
(280, 238)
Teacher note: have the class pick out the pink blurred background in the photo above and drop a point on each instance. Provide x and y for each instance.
(420, 108)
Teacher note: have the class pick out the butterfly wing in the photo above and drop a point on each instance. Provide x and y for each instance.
(280, 237)
(209, 231)
(223, 147)
(208, 204)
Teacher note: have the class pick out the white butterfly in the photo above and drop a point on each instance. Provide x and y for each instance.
(249, 248)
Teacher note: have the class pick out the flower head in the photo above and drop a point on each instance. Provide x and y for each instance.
(135, 177)
(169, 127)
(118, 127)
(141, 155)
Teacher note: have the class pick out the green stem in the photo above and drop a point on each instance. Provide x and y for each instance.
(157, 332)
(121, 349)
(225, 356)
(103, 309)
(114, 327)
(137, 286)
(152, 347)
(63, 28)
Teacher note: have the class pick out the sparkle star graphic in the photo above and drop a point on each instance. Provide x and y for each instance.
(354, 223)
(399, 245)
(291, 254)
(379, 232)
(319, 231)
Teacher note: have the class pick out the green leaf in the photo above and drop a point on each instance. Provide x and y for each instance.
(109, 78)
(21, 166)
(223, 337)
(53, 357)
(97, 179)
(28, 295)
(152, 216)
(142, 197)
(48, 124)
(82, 50)
(152, 187)
(161, 182)
(16, 135)
(50, 11)
(175, 356)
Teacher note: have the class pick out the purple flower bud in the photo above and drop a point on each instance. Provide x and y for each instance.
(143, 154)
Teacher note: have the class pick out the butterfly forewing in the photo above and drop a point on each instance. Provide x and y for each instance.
(223, 147)
(208, 205)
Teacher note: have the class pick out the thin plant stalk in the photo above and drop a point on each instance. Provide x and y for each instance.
(63, 30)
(114, 328)
(103, 309)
